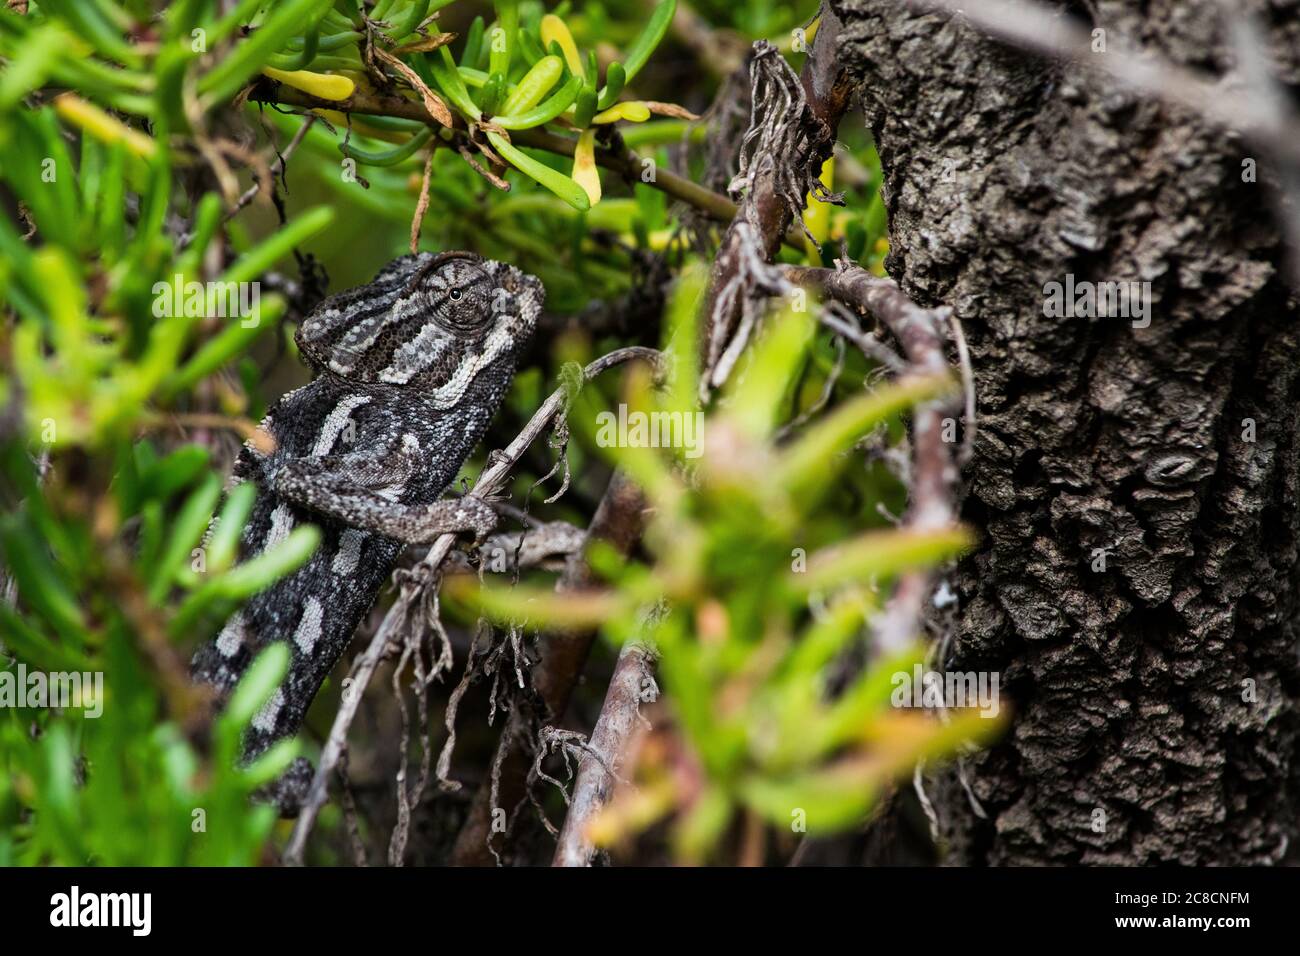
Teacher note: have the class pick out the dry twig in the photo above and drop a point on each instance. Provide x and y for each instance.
(631, 685)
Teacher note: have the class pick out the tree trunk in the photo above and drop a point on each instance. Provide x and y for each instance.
(1155, 691)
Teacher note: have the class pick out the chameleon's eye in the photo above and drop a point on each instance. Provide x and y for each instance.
(459, 296)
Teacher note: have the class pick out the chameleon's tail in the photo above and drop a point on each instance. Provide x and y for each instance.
(221, 671)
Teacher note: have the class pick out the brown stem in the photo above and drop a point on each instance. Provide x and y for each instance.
(766, 212)
(619, 718)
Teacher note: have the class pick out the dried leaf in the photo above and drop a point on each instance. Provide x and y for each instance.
(425, 45)
(669, 109)
(436, 107)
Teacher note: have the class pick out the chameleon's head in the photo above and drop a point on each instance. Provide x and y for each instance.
(430, 322)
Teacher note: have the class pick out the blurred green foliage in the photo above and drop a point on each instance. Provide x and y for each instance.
(755, 592)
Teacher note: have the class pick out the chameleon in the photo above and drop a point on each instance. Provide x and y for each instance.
(409, 371)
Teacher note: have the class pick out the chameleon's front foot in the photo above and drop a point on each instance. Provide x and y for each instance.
(479, 516)
(446, 516)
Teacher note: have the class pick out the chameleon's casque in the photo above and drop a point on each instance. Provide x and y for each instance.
(411, 369)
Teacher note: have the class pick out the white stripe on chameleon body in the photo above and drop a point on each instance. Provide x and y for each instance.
(392, 491)
(349, 554)
(281, 525)
(309, 628)
(337, 420)
(450, 394)
(416, 355)
(265, 719)
(231, 638)
(361, 336)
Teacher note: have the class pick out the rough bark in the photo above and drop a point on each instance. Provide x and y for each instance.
(1004, 172)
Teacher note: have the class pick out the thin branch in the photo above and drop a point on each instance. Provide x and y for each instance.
(618, 521)
(968, 392)
(631, 684)
(362, 671)
(422, 205)
(279, 164)
(867, 343)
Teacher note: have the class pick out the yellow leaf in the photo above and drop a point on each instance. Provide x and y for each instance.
(632, 111)
(585, 173)
(328, 86)
(102, 126)
(553, 28)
